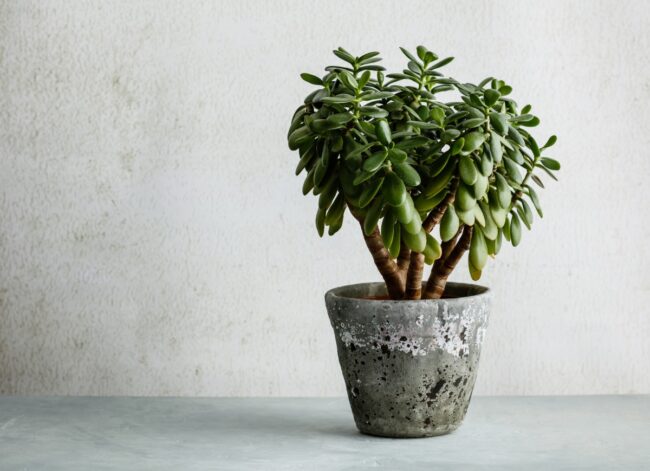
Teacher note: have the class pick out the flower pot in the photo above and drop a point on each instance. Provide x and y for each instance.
(409, 366)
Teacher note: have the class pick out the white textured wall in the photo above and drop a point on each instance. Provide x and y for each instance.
(153, 238)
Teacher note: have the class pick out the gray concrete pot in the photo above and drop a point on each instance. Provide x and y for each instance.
(409, 366)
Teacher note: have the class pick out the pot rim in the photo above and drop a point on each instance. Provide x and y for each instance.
(335, 293)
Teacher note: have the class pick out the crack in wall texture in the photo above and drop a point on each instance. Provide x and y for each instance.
(154, 241)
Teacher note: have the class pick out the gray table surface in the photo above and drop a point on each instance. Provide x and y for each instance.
(500, 433)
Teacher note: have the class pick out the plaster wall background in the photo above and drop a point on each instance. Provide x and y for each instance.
(154, 241)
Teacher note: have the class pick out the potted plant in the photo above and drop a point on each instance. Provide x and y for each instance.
(404, 162)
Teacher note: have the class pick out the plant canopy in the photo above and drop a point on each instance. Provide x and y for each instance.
(385, 147)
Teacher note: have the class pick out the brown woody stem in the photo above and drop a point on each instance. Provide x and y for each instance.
(414, 276)
(443, 267)
(403, 259)
(386, 266)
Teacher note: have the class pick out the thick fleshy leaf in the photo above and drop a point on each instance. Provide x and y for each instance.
(478, 249)
(449, 224)
(394, 190)
(550, 163)
(467, 169)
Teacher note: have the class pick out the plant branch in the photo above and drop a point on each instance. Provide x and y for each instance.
(435, 216)
(384, 263)
(442, 268)
(414, 276)
(403, 259)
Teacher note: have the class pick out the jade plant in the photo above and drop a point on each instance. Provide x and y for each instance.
(404, 162)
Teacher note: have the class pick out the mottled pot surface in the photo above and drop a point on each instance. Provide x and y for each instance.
(409, 366)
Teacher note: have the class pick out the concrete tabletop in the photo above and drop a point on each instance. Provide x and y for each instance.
(499, 433)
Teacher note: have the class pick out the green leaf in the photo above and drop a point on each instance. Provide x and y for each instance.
(422, 203)
(362, 177)
(474, 272)
(382, 130)
(415, 242)
(363, 80)
(478, 249)
(376, 96)
(480, 186)
(526, 213)
(395, 246)
(338, 99)
(457, 146)
(388, 228)
(465, 198)
(535, 200)
(473, 122)
(408, 174)
(516, 136)
(394, 190)
(449, 224)
(550, 164)
(370, 191)
(441, 63)
(499, 215)
(423, 125)
(432, 249)
(468, 172)
(440, 182)
(466, 217)
(513, 170)
(361, 149)
(336, 210)
(344, 55)
(532, 145)
(491, 96)
(320, 222)
(375, 161)
(414, 225)
(478, 215)
(308, 184)
(299, 137)
(405, 211)
(409, 55)
(551, 140)
(505, 90)
(537, 180)
(531, 123)
(347, 79)
(305, 160)
(503, 191)
(499, 123)
(397, 156)
(372, 216)
(490, 229)
(438, 115)
(368, 55)
(515, 230)
(311, 79)
(415, 67)
(486, 164)
(473, 141)
(340, 118)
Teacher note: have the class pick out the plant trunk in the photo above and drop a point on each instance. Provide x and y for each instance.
(386, 266)
(443, 267)
(414, 276)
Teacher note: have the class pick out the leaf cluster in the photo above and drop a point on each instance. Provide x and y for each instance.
(388, 149)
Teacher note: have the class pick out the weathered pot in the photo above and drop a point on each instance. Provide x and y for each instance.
(409, 366)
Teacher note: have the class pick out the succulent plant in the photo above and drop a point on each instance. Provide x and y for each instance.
(385, 147)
